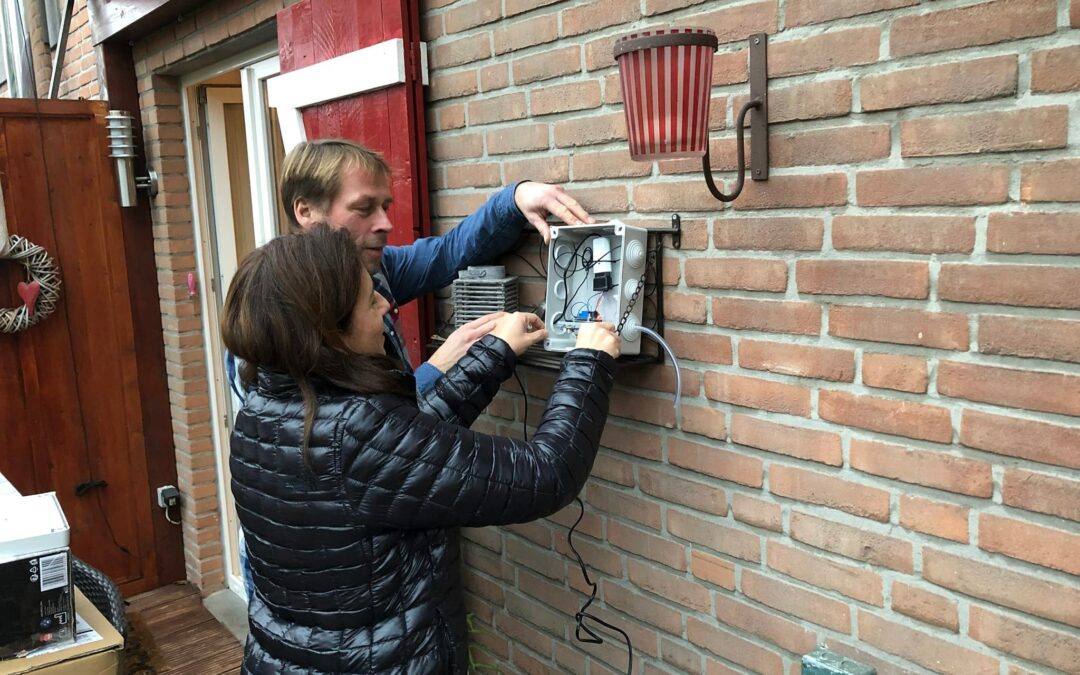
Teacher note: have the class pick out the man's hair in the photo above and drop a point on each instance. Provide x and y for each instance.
(313, 170)
(288, 310)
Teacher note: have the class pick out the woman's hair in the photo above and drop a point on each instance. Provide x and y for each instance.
(288, 310)
(312, 171)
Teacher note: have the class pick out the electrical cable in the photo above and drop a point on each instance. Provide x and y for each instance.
(674, 361)
(582, 614)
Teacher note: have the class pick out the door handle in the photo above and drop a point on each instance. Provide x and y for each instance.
(82, 488)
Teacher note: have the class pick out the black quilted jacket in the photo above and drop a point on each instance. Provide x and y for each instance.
(355, 561)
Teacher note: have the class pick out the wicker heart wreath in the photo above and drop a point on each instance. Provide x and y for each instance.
(39, 294)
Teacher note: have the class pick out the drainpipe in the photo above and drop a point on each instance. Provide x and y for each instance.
(17, 50)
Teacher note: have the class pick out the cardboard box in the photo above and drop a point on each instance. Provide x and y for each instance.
(36, 604)
(98, 649)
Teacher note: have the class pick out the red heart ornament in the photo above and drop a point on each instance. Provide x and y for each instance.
(29, 293)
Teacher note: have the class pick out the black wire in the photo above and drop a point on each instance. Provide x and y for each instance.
(525, 413)
(582, 615)
(524, 260)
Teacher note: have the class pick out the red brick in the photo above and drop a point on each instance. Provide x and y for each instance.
(794, 441)
(545, 169)
(452, 85)
(1048, 392)
(608, 199)
(734, 24)
(1056, 70)
(712, 461)
(791, 599)
(520, 34)
(648, 409)
(451, 117)
(607, 164)
(543, 561)
(457, 205)
(613, 470)
(1074, 14)
(937, 654)
(712, 569)
(894, 371)
(803, 12)
(601, 557)
(688, 308)
(828, 51)
(1036, 643)
(802, 191)
(958, 82)
(757, 512)
(837, 365)
(1026, 439)
(772, 316)
(518, 138)
(1042, 493)
(1049, 547)
(638, 443)
(730, 67)
(514, 7)
(686, 660)
(636, 605)
(473, 175)
(806, 101)
(782, 632)
(471, 14)
(626, 505)
(914, 234)
(996, 131)
(840, 145)
(704, 497)
(464, 50)
(704, 421)
(889, 416)
(590, 130)
(829, 491)
(669, 196)
(926, 606)
(459, 146)
(591, 524)
(497, 109)
(943, 185)
(981, 24)
(521, 632)
(939, 519)
(857, 543)
(1026, 232)
(547, 64)
(668, 586)
(932, 469)
(1050, 181)
(565, 97)
(583, 18)
(768, 234)
(994, 583)
(748, 274)
(482, 586)
(495, 76)
(650, 546)
(700, 347)
(1020, 285)
(902, 326)
(751, 392)
(894, 279)
(813, 568)
(733, 648)
(730, 541)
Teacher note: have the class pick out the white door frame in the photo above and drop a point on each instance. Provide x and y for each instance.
(256, 65)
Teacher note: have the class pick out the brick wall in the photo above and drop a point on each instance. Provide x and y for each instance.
(879, 440)
(80, 77)
(174, 242)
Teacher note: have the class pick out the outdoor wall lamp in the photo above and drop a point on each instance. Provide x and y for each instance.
(121, 129)
(666, 78)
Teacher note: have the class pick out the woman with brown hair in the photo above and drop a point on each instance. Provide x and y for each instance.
(350, 487)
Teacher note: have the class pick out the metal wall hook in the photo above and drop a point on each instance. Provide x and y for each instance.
(759, 125)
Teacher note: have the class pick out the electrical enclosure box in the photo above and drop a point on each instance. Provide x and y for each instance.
(595, 272)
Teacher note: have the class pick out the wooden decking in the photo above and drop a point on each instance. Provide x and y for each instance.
(186, 639)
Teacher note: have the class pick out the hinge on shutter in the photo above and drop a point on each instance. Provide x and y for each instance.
(418, 62)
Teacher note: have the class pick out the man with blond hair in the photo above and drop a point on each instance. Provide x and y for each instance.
(347, 185)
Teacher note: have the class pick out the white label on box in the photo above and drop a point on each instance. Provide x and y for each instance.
(54, 571)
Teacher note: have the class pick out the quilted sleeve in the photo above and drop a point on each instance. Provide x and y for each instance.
(404, 469)
(460, 395)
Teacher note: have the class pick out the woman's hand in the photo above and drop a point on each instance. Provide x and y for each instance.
(599, 336)
(520, 330)
(458, 342)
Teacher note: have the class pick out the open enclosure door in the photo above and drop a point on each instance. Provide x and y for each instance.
(388, 119)
(73, 390)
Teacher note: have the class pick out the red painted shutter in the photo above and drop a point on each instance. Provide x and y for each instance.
(312, 31)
